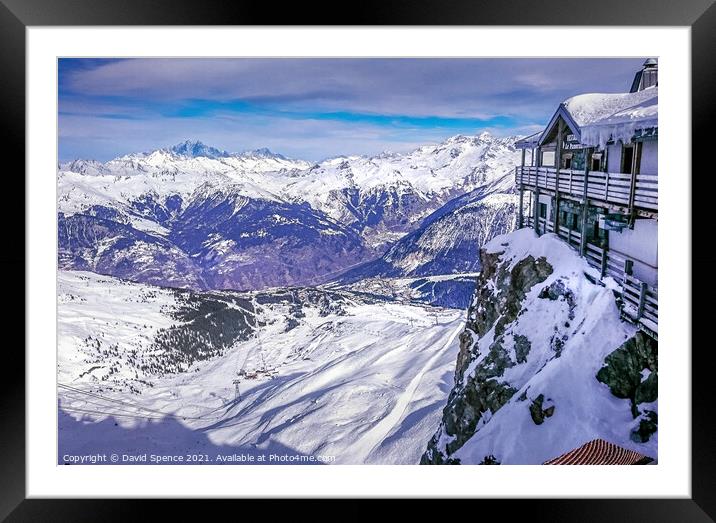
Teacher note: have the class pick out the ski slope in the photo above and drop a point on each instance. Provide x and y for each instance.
(364, 384)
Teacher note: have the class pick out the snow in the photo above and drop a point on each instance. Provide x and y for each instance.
(521, 243)
(601, 116)
(585, 409)
(430, 173)
(622, 125)
(365, 387)
(589, 108)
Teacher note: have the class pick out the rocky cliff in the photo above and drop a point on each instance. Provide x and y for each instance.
(545, 362)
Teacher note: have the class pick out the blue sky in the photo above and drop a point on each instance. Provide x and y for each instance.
(313, 108)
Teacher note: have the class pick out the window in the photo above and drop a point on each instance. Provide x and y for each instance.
(542, 210)
(570, 220)
(567, 162)
(596, 162)
(547, 159)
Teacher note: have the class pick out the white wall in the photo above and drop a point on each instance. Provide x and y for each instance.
(649, 158)
(614, 157)
(640, 245)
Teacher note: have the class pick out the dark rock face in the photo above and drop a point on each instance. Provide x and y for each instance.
(648, 425)
(624, 373)
(498, 306)
(497, 303)
(624, 368)
(522, 348)
(537, 411)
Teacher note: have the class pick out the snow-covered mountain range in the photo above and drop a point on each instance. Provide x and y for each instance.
(198, 217)
(448, 241)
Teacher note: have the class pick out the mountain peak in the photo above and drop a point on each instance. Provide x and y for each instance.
(263, 152)
(474, 139)
(195, 149)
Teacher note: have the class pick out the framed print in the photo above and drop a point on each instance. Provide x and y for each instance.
(324, 261)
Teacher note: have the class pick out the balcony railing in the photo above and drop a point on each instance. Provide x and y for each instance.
(639, 300)
(638, 192)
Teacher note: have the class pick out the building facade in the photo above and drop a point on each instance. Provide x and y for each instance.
(591, 177)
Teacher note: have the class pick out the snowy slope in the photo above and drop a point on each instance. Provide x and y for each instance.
(545, 364)
(448, 241)
(322, 372)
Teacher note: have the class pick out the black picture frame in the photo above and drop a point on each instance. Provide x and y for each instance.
(17, 15)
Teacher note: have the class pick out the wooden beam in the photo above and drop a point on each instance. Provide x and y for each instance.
(558, 165)
(529, 205)
(642, 300)
(632, 187)
(536, 211)
(605, 257)
(585, 203)
(522, 192)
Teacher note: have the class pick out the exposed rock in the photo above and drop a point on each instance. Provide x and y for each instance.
(624, 371)
(522, 347)
(498, 301)
(648, 424)
(489, 460)
(537, 411)
(539, 329)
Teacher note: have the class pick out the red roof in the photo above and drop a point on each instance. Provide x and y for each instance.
(599, 452)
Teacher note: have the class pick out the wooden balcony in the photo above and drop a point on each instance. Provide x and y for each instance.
(619, 191)
(639, 300)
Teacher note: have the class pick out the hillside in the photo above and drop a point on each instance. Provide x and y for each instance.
(144, 369)
(545, 363)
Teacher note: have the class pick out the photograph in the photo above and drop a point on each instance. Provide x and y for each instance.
(357, 261)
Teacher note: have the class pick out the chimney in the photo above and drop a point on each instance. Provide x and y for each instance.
(647, 77)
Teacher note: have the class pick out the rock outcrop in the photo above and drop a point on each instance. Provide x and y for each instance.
(545, 362)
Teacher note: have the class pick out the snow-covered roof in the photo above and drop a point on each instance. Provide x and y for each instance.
(587, 109)
(622, 124)
(597, 117)
(528, 142)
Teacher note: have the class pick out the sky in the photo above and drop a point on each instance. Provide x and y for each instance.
(314, 108)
